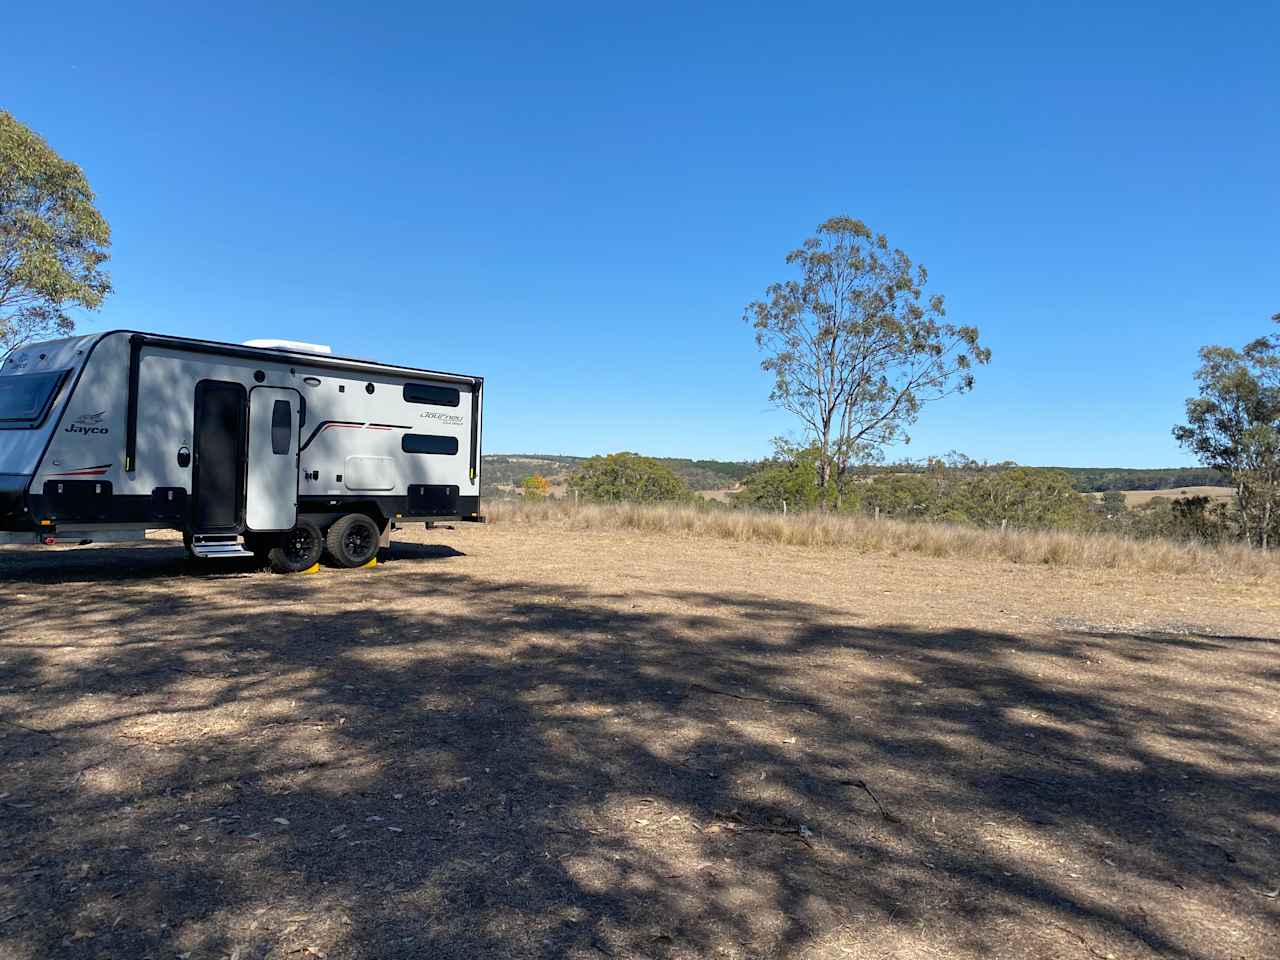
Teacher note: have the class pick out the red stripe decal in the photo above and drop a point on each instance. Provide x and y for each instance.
(97, 471)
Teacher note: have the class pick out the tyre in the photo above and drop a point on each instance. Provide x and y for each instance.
(352, 541)
(299, 549)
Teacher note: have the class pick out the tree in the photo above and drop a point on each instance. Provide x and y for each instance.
(535, 487)
(856, 347)
(790, 477)
(628, 476)
(1233, 425)
(52, 239)
(1114, 504)
(1026, 497)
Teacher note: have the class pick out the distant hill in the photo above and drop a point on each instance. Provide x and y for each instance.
(503, 472)
(1101, 479)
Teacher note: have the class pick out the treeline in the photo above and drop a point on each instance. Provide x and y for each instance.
(957, 490)
(947, 490)
(1102, 479)
(504, 472)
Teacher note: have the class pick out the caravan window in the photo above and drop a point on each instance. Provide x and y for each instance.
(428, 443)
(429, 393)
(26, 397)
(281, 422)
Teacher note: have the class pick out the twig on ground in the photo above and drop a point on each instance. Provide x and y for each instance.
(1087, 945)
(862, 785)
(739, 696)
(736, 824)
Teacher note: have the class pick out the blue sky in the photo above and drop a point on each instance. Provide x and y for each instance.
(577, 202)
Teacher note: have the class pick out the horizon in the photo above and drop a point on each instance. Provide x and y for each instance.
(578, 205)
(887, 463)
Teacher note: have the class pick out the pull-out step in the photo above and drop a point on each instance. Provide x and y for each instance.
(218, 547)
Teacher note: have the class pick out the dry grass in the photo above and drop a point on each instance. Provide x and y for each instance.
(1052, 547)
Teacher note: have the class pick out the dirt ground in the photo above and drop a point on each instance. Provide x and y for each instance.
(516, 742)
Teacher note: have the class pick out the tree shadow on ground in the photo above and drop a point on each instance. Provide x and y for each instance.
(464, 768)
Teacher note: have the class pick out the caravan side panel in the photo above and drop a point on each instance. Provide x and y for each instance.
(385, 438)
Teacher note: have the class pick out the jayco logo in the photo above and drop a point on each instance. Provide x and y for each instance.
(89, 423)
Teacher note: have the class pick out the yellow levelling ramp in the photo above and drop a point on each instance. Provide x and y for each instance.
(314, 568)
(371, 563)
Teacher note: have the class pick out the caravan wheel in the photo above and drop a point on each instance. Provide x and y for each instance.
(353, 540)
(299, 549)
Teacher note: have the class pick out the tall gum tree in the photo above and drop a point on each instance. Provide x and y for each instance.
(53, 240)
(857, 347)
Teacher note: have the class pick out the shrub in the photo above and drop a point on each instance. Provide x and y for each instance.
(628, 477)
(535, 486)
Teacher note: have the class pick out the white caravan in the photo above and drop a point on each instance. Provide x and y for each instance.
(273, 448)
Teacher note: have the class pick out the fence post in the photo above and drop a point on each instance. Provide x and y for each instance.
(1004, 522)
(784, 508)
(877, 516)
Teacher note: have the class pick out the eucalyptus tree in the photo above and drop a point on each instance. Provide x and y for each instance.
(857, 347)
(53, 240)
(1233, 425)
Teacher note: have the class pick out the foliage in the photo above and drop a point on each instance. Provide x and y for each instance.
(53, 241)
(790, 479)
(708, 474)
(1024, 497)
(1101, 479)
(535, 486)
(628, 477)
(1113, 504)
(856, 347)
(1233, 425)
(907, 496)
(954, 488)
(502, 474)
(1184, 519)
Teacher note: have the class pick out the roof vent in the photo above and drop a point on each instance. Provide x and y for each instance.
(293, 346)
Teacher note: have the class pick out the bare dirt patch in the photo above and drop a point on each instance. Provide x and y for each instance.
(513, 742)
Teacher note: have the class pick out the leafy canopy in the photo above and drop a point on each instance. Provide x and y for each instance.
(789, 477)
(856, 346)
(628, 476)
(535, 487)
(1233, 425)
(53, 241)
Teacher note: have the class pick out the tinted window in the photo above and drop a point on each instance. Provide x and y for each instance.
(428, 393)
(426, 443)
(281, 423)
(26, 396)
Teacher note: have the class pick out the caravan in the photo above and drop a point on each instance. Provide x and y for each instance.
(272, 448)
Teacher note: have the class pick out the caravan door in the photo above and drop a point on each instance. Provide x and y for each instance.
(218, 482)
(271, 494)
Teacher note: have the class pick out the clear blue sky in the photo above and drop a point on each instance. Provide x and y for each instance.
(578, 202)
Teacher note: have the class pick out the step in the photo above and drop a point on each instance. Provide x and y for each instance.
(219, 548)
